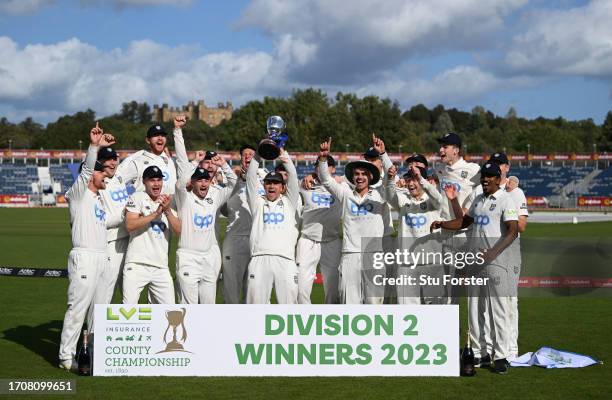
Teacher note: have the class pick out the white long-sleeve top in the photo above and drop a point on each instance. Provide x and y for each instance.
(198, 216)
(114, 198)
(415, 214)
(87, 214)
(321, 214)
(239, 221)
(362, 217)
(275, 223)
(465, 176)
(131, 168)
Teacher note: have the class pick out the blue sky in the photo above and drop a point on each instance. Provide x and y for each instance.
(550, 58)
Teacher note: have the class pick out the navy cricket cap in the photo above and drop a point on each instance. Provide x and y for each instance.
(490, 169)
(417, 158)
(498, 158)
(330, 161)
(371, 153)
(210, 154)
(409, 174)
(152, 172)
(98, 166)
(247, 146)
(450, 138)
(106, 153)
(156, 130)
(200, 173)
(274, 177)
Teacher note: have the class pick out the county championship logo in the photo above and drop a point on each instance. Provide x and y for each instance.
(176, 320)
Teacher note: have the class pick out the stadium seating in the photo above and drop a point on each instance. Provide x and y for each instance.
(602, 184)
(62, 174)
(536, 180)
(17, 178)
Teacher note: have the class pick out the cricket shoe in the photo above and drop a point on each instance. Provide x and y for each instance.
(501, 366)
(483, 362)
(68, 365)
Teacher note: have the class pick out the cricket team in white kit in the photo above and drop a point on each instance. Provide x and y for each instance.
(124, 215)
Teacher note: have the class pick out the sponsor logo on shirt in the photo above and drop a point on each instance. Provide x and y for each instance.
(273, 218)
(100, 213)
(361, 209)
(322, 200)
(158, 226)
(120, 196)
(415, 221)
(481, 220)
(492, 207)
(445, 183)
(464, 174)
(202, 221)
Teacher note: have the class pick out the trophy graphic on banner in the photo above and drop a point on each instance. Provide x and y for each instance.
(269, 148)
(175, 319)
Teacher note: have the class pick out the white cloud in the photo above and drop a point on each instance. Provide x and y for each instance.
(347, 40)
(70, 76)
(576, 41)
(17, 7)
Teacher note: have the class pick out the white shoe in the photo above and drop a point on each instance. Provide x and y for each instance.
(68, 365)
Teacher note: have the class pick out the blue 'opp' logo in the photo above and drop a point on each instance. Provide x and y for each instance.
(158, 226)
(444, 184)
(273, 218)
(120, 196)
(202, 221)
(99, 213)
(481, 220)
(322, 200)
(361, 209)
(415, 221)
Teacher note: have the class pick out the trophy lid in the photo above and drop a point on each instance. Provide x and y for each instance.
(275, 124)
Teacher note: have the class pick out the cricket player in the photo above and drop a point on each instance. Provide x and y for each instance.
(131, 169)
(274, 234)
(364, 219)
(87, 259)
(520, 201)
(417, 207)
(114, 197)
(494, 217)
(319, 242)
(198, 259)
(236, 247)
(149, 219)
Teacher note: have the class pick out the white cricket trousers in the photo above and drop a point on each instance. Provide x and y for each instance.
(112, 276)
(137, 276)
(309, 253)
(357, 283)
(236, 258)
(197, 274)
(490, 319)
(266, 271)
(85, 267)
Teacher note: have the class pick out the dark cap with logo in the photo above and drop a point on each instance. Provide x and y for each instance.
(499, 158)
(210, 155)
(420, 158)
(106, 153)
(274, 177)
(371, 153)
(98, 166)
(490, 169)
(450, 138)
(152, 172)
(200, 173)
(156, 130)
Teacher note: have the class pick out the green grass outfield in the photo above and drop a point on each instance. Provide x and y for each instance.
(33, 309)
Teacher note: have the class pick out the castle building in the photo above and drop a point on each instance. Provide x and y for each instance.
(212, 116)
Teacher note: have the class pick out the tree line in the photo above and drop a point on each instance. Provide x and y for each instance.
(311, 115)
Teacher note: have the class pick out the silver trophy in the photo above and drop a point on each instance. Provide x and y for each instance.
(269, 148)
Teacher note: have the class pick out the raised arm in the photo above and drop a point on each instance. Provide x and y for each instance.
(252, 182)
(293, 186)
(184, 167)
(336, 189)
(391, 189)
(232, 178)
